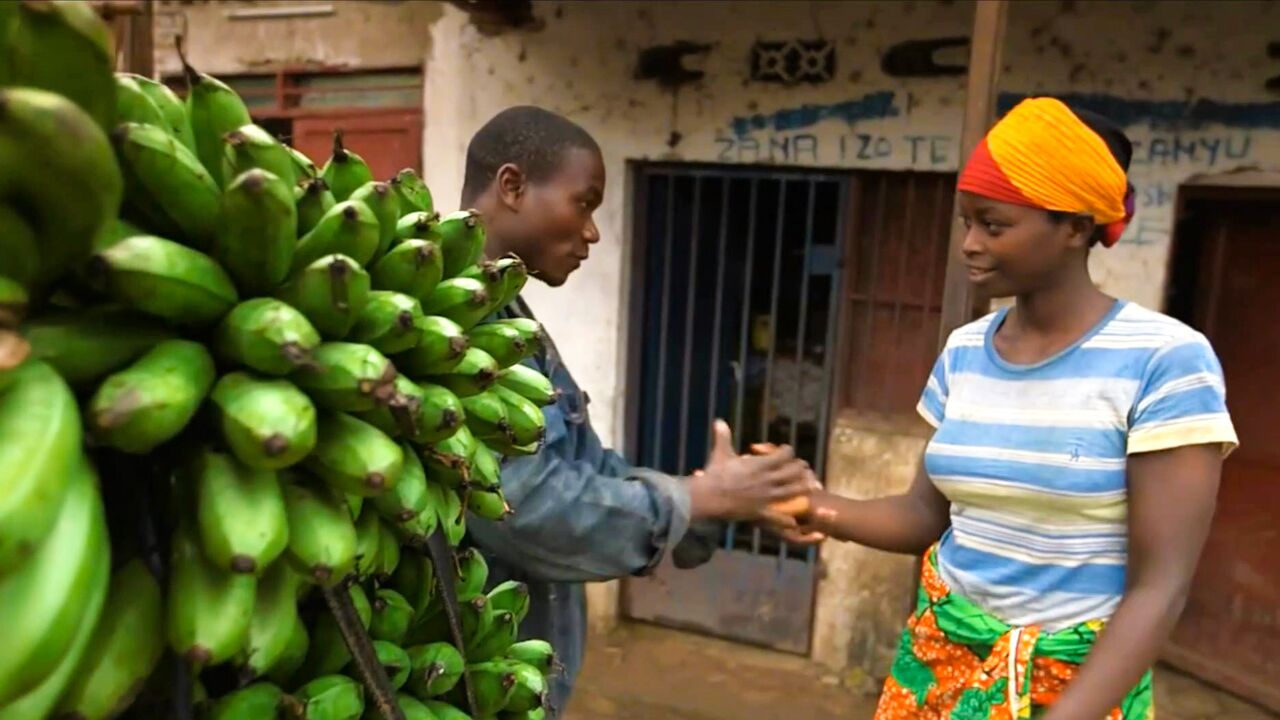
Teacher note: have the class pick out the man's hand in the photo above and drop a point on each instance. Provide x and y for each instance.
(786, 526)
(741, 487)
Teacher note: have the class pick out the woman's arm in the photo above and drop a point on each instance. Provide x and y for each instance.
(1171, 501)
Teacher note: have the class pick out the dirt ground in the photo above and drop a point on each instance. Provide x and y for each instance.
(642, 672)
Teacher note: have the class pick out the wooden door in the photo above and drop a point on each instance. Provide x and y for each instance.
(388, 141)
(1231, 627)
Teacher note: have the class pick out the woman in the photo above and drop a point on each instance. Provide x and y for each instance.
(1070, 483)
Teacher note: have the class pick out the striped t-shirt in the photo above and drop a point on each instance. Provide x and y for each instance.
(1032, 457)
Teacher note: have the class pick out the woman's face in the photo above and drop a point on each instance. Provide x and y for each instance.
(1014, 249)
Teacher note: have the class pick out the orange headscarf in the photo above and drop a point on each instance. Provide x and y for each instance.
(1043, 155)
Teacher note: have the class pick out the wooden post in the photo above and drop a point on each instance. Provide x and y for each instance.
(133, 23)
(985, 49)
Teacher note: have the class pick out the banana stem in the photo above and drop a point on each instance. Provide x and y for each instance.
(446, 576)
(193, 77)
(370, 670)
(339, 152)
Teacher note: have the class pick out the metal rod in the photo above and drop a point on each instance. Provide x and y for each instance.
(773, 326)
(713, 390)
(690, 303)
(864, 348)
(665, 262)
(828, 346)
(802, 321)
(904, 245)
(743, 334)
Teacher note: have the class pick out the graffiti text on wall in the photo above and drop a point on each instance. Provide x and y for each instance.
(920, 151)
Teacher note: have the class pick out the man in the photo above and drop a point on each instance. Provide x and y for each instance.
(582, 513)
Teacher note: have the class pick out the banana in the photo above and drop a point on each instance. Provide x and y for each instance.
(168, 188)
(530, 384)
(437, 668)
(40, 426)
(453, 517)
(368, 541)
(259, 701)
(409, 496)
(462, 300)
(249, 147)
(493, 684)
(488, 504)
(322, 537)
(418, 225)
(213, 109)
(13, 303)
(345, 376)
(477, 372)
(331, 292)
(413, 267)
(528, 424)
(440, 350)
(153, 399)
(536, 714)
(86, 345)
(345, 171)
(209, 610)
(495, 639)
(170, 106)
(328, 652)
(389, 322)
(313, 200)
(392, 615)
(19, 247)
(473, 574)
(303, 167)
(240, 514)
(295, 650)
(485, 472)
(64, 47)
(385, 204)
(395, 661)
(164, 279)
(61, 585)
(487, 417)
(59, 167)
(331, 697)
(511, 596)
(462, 239)
(506, 344)
(255, 236)
(273, 625)
(355, 503)
(416, 530)
(445, 711)
(267, 424)
(448, 462)
(422, 414)
(266, 335)
(413, 192)
(537, 653)
(514, 277)
(530, 693)
(349, 228)
(119, 230)
(355, 457)
(415, 580)
(388, 552)
(412, 707)
(133, 105)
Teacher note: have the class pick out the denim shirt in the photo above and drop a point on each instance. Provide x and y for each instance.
(582, 514)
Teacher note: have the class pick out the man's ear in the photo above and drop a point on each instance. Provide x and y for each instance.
(510, 181)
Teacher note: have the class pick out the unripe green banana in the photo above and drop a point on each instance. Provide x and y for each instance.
(440, 350)
(445, 711)
(153, 399)
(473, 574)
(266, 335)
(529, 384)
(514, 277)
(493, 684)
(437, 668)
(536, 653)
(409, 496)
(368, 541)
(388, 552)
(494, 641)
(462, 300)
(448, 462)
(418, 225)
(506, 344)
(322, 537)
(354, 456)
(249, 147)
(395, 661)
(390, 322)
(413, 267)
(528, 424)
(385, 204)
(257, 231)
(133, 105)
(355, 503)
(412, 707)
(64, 47)
(259, 701)
(487, 417)
(511, 596)
(295, 650)
(86, 345)
(170, 107)
(413, 192)
(209, 610)
(162, 278)
(19, 247)
(329, 652)
(462, 239)
(213, 109)
(349, 228)
(477, 618)
(422, 414)
(415, 580)
(345, 376)
(268, 424)
(13, 306)
(432, 626)
(477, 372)
(453, 516)
(530, 693)
(488, 504)
(416, 530)
(529, 331)
(168, 188)
(331, 292)
(485, 472)
(304, 167)
(345, 171)
(273, 626)
(240, 514)
(313, 200)
(332, 697)
(392, 615)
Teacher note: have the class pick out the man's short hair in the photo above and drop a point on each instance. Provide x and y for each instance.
(533, 139)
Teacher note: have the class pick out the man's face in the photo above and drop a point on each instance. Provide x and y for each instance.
(554, 227)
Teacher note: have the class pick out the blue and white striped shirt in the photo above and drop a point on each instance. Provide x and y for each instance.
(1032, 457)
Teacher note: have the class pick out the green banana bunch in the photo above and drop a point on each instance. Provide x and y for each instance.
(19, 247)
(255, 236)
(420, 225)
(354, 456)
(162, 278)
(412, 707)
(462, 300)
(331, 292)
(485, 472)
(250, 147)
(173, 112)
(331, 697)
(268, 424)
(477, 618)
(440, 350)
(368, 541)
(409, 497)
(266, 335)
(388, 552)
(209, 610)
(488, 504)
(416, 530)
(168, 188)
(415, 580)
(322, 537)
(390, 322)
(515, 274)
(40, 424)
(477, 372)
(530, 693)
(462, 240)
(486, 273)
(349, 228)
(239, 512)
(448, 462)
(413, 192)
(506, 344)
(528, 424)
(274, 624)
(213, 110)
(493, 641)
(392, 615)
(473, 574)
(153, 399)
(58, 166)
(86, 345)
(385, 204)
(413, 267)
(347, 376)
(313, 201)
(303, 167)
(259, 701)
(135, 106)
(511, 596)
(493, 684)
(295, 650)
(64, 47)
(422, 414)
(445, 711)
(529, 384)
(394, 660)
(487, 417)
(61, 585)
(536, 653)
(345, 171)
(437, 668)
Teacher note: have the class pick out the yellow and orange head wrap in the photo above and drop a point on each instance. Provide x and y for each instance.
(1044, 155)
